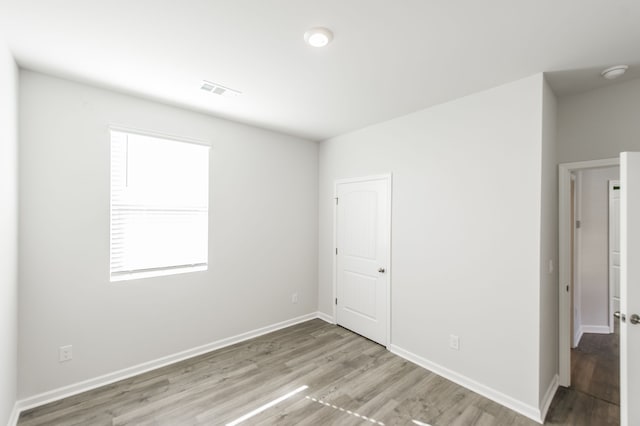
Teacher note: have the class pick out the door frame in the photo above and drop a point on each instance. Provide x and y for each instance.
(389, 270)
(564, 252)
(574, 293)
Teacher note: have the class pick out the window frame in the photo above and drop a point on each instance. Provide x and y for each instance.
(164, 270)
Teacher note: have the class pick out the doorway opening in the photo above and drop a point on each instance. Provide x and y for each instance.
(587, 346)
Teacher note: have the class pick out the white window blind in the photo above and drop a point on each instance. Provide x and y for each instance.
(159, 206)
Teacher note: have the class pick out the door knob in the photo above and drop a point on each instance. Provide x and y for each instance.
(634, 319)
(381, 270)
(622, 317)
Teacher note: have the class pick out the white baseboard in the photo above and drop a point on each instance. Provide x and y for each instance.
(598, 329)
(577, 337)
(494, 395)
(86, 385)
(548, 397)
(13, 418)
(326, 318)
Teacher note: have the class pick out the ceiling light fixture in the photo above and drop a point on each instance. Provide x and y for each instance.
(318, 37)
(614, 72)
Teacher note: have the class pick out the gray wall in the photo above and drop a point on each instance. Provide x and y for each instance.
(594, 125)
(262, 237)
(8, 232)
(600, 123)
(465, 231)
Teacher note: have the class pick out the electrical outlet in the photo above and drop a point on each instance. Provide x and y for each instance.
(294, 298)
(454, 342)
(66, 353)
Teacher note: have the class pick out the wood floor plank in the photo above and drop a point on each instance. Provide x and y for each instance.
(594, 396)
(351, 381)
(596, 366)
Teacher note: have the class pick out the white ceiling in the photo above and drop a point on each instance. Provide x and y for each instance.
(388, 58)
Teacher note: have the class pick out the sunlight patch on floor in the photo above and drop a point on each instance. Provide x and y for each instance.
(266, 406)
(352, 413)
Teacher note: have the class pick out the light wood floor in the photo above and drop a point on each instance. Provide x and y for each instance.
(351, 381)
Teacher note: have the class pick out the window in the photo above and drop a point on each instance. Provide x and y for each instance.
(159, 206)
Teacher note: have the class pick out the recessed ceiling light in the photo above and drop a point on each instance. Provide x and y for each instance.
(614, 72)
(218, 89)
(318, 37)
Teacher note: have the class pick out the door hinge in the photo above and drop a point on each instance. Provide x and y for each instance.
(578, 224)
(336, 200)
(336, 300)
(336, 251)
(567, 289)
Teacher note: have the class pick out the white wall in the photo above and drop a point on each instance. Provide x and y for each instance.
(466, 231)
(548, 245)
(600, 123)
(8, 233)
(263, 237)
(593, 248)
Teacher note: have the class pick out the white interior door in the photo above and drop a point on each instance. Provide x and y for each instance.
(614, 250)
(363, 225)
(630, 288)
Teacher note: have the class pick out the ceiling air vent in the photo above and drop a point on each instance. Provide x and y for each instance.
(218, 89)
